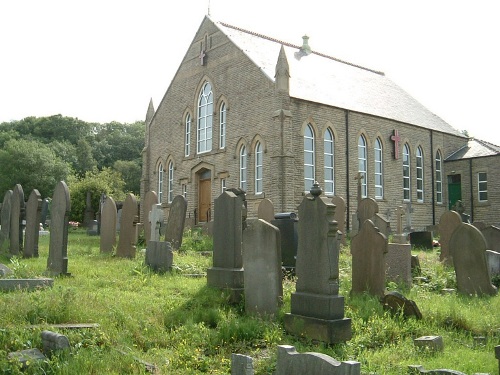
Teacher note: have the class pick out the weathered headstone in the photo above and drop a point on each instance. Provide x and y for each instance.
(176, 220)
(493, 261)
(159, 256)
(27, 356)
(57, 262)
(93, 228)
(399, 236)
(156, 220)
(367, 209)
(421, 240)
(397, 304)
(5, 221)
(108, 225)
(432, 343)
(398, 263)
(448, 222)
(317, 309)
(89, 214)
(368, 249)
(127, 241)
(340, 216)
(287, 222)
(227, 269)
(241, 364)
(383, 225)
(8, 285)
(262, 268)
(53, 342)
(468, 249)
(150, 199)
(17, 215)
(45, 212)
(417, 369)
(4, 270)
(492, 236)
(33, 214)
(265, 210)
(291, 362)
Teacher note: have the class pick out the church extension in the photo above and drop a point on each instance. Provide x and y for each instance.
(248, 111)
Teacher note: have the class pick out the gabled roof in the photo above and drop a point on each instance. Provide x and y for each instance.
(475, 148)
(324, 79)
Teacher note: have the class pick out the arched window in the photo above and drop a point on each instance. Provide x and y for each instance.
(309, 174)
(406, 172)
(243, 168)
(258, 168)
(160, 182)
(363, 166)
(170, 182)
(205, 117)
(379, 170)
(439, 178)
(187, 139)
(222, 126)
(420, 174)
(328, 145)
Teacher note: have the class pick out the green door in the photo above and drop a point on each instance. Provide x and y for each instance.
(454, 189)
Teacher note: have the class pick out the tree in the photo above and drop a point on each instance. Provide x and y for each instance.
(131, 174)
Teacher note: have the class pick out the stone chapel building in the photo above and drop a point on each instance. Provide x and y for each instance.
(248, 111)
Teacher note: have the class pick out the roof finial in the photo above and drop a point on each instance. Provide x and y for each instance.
(209, 8)
(305, 45)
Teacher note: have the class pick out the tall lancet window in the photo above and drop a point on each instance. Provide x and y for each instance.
(329, 162)
(309, 173)
(363, 165)
(379, 170)
(205, 118)
(406, 172)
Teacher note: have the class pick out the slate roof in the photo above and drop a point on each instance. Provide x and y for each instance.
(475, 148)
(324, 79)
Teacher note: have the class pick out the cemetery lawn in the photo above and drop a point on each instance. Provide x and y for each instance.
(177, 323)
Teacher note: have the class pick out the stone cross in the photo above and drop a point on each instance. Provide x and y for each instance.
(396, 138)
(202, 57)
(400, 211)
(360, 176)
(156, 218)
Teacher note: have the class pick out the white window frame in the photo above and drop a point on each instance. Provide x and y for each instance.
(482, 186)
(205, 118)
(184, 190)
(243, 168)
(439, 178)
(223, 185)
(406, 173)
(309, 158)
(222, 126)
(329, 162)
(187, 139)
(363, 165)
(258, 168)
(160, 182)
(420, 174)
(170, 182)
(379, 169)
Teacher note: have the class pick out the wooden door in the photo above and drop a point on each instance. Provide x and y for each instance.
(204, 200)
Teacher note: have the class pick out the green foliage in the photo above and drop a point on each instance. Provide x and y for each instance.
(194, 239)
(131, 173)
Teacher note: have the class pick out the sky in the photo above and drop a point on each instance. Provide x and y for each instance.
(103, 60)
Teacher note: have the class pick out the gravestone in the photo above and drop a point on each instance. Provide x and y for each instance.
(108, 225)
(417, 369)
(156, 220)
(57, 262)
(54, 342)
(367, 209)
(227, 270)
(265, 211)
(262, 268)
(17, 215)
(159, 256)
(93, 228)
(431, 343)
(493, 261)
(448, 222)
(9, 285)
(4, 270)
(383, 225)
(176, 220)
(368, 249)
(398, 263)
(421, 240)
(127, 240)
(291, 362)
(492, 236)
(32, 232)
(89, 214)
(468, 249)
(286, 222)
(241, 364)
(399, 236)
(479, 225)
(45, 212)
(397, 304)
(5, 221)
(340, 216)
(317, 309)
(150, 199)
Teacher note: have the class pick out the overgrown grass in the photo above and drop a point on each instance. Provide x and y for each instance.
(174, 321)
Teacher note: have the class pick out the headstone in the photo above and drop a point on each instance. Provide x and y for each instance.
(150, 199)
(127, 240)
(265, 210)
(118, 217)
(45, 212)
(241, 364)
(89, 214)
(227, 270)
(287, 224)
(398, 263)
(156, 219)
(383, 225)
(262, 268)
(4, 270)
(468, 249)
(93, 228)
(17, 215)
(53, 342)
(448, 222)
(27, 356)
(415, 265)
(176, 220)
(9, 285)
(417, 369)
(409, 212)
(317, 309)
(340, 216)
(290, 362)
(421, 240)
(32, 232)
(399, 236)
(159, 256)
(368, 249)
(108, 225)
(367, 209)
(479, 225)
(432, 343)
(492, 236)
(493, 261)
(397, 304)
(5, 221)
(57, 262)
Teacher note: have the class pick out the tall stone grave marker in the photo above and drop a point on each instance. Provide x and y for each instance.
(227, 270)
(367, 209)
(317, 310)
(57, 262)
(108, 225)
(492, 236)
(262, 271)
(89, 214)
(398, 257)
(266, 210)
(5, 221)
(17, 215)
(33, 214)
(399, 236)
(340, 216)
(159, 256)
(128, 228)
(448, 222)
(45, 212)
(468, 249)
(368, 249)
(150, 199)
(176, 221)
(156, 220)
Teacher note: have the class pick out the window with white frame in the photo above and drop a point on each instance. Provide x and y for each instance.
(406, 173)
(222, 185)
(243, 168)
(222, 126)
(170, 182)
(439, 178)
(379, 170)
(205, 118)
(309, 173)
(328, 145)
(187, 138)
(420, 174)
(160, 182)
(184, 190)
(258, 168)
(482, 186)
(363, 165)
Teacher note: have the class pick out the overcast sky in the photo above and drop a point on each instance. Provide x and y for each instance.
(103, 60)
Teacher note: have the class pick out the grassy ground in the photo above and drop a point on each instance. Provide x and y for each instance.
(177, 323)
